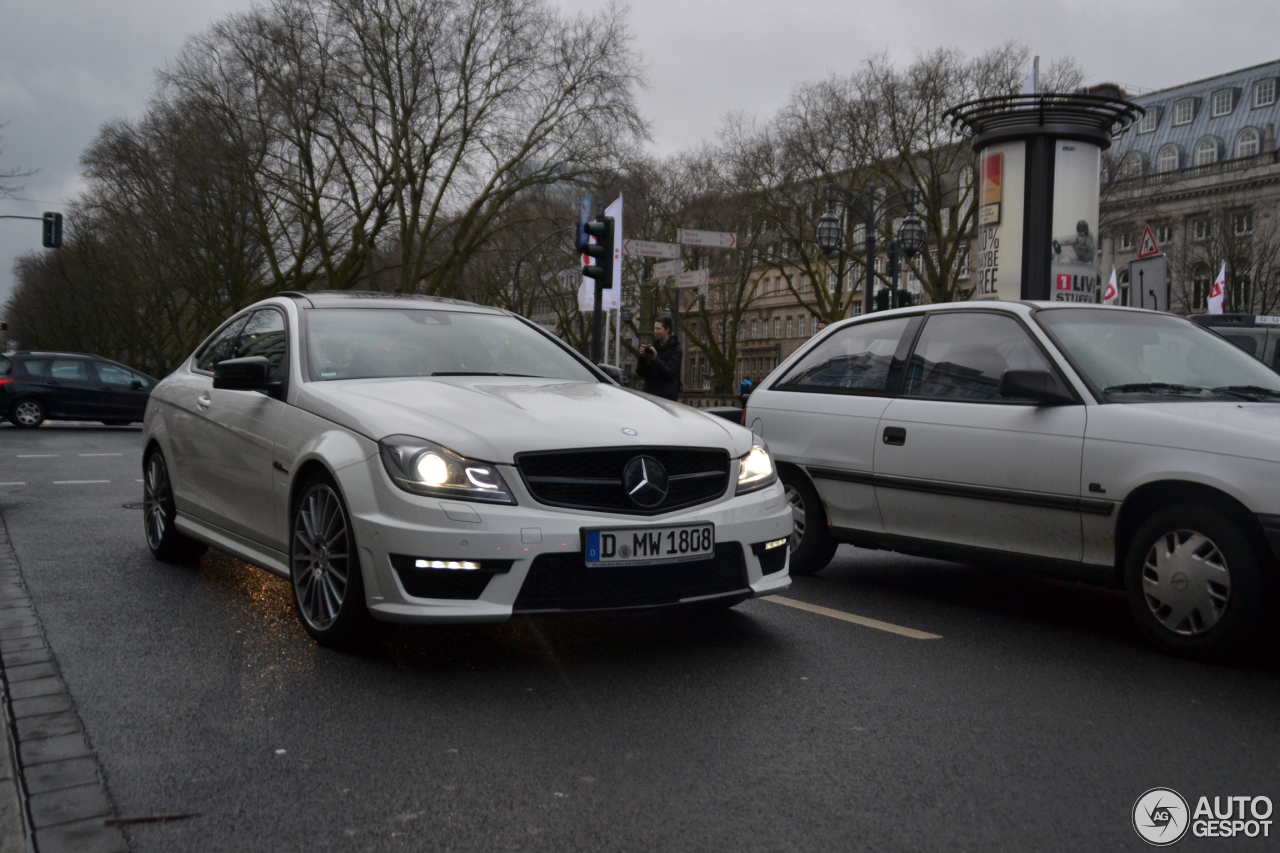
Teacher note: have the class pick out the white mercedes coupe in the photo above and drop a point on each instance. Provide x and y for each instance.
(410, 459)
(1108, 445)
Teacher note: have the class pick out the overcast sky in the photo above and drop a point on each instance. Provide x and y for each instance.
(66, 66)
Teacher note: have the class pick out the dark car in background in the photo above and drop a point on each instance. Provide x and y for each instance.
(66, 386)
(1258, 335)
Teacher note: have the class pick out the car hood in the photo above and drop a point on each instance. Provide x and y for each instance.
(492, 418)
(1251, 430)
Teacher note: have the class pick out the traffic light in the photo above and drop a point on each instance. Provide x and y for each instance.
(601, 251)
(53, 230)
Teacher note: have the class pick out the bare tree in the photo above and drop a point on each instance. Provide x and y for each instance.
(1249, 245)
(9, 189)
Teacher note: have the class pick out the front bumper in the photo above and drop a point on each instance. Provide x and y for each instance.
(538, 549)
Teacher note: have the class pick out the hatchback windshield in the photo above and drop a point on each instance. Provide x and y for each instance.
(368, 343)
(1130, 356)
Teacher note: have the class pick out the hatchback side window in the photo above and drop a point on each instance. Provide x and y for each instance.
(112, 374)
(71, 369)
(5, 366)
(1248, 343)
(858, 359)
(220, 347)
(35, 366)
(264, 335)
(962, 355)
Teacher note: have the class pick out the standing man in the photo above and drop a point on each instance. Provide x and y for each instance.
(659, 364)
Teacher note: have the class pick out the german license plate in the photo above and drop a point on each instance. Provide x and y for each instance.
(647, 546)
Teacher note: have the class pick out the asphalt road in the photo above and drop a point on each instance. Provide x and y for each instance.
(1033, 722)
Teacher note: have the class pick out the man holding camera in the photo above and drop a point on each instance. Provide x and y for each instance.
(659, 363)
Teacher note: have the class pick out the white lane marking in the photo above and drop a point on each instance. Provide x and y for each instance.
(137, 481)
(99, 454)
(37, 455)
(14, 483)
(77, 482)
(857, 620)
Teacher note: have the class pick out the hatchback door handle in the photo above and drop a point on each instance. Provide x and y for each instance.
(203, 402)
(896, 436)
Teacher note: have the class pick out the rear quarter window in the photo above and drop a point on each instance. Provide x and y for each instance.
(5, 366)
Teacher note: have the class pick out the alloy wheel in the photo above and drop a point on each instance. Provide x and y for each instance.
(28, 413)
(796, 501)
(1186, 582)
(156, 498)
(320, 556)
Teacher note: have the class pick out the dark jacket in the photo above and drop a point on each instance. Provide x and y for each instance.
(662, 374)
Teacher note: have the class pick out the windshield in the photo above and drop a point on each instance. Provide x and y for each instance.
(1129, 356)
(370, 343)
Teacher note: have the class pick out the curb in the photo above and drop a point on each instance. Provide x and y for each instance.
(56, 785)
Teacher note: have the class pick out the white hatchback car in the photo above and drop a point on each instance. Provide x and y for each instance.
(1108, 445)
(410, 459)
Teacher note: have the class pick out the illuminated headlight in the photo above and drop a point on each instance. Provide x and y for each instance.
(426, 468)
(755, 470)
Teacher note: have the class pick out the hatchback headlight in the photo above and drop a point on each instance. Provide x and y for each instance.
(426, 468)
(755, 470)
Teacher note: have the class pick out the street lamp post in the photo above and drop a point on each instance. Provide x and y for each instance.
(871, 208)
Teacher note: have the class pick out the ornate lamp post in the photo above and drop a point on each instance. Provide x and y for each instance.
(870, 207)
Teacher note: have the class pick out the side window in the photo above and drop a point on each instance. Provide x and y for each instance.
(264, 335)
(35, 366)
(5, 366)
(1248, 343)
(961, 356)
(70, 369)
(858, 359)
(219, 348)
(112, 374)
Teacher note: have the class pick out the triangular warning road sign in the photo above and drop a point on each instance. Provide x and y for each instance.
(1148, 248)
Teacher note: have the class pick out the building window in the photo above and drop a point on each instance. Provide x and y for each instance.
(1201, 229)
(1224, 100)
(1200, 288)
(777, 327)
(1149, 121)
(755, 329)
(1164, 234)
(1206, 151)
(1184, 111)
(1126, 242)
(1242, 223)
(1131, 165)
(1248, 143)
(1264, 93)
(802, 322)
(1168, 160)
(962, 263)
(789, 328)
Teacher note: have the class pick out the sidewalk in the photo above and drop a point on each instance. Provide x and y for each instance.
(52, 797)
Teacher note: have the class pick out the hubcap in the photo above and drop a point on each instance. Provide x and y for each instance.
(320, 562)
(1186, 582)
(796, 501)
(155, 497)
(27, 413)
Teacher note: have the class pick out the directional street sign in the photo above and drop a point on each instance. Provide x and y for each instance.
(692, 278)
(650, 249)
(666, 268)
(715, 239)
(1149, 283)
(1148, 248)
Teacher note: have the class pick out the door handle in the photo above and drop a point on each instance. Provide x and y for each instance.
(203, 401)
(897, 436)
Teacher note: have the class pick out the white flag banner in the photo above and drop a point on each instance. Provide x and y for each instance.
(1112, 294)
(1218, 291)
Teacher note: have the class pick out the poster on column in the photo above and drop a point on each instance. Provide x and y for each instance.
(1001, 178)
(1074, 263)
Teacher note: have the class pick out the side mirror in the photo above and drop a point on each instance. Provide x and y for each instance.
(244, 374)
(136, 384)
(1039, 385)
(614, 373)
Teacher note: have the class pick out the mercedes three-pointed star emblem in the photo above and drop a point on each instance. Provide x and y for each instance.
(645, 480)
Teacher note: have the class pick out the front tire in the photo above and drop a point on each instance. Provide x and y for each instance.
(28, 413)
(1194, 582)
(811, 544)
(158, 512)
(328, 588)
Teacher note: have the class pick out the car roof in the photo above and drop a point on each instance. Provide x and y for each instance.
(1024, 307)
(51, 354)
(377, 299)
(1237, 320)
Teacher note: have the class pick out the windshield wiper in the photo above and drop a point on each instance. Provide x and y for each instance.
(1249, 392)
(1153, 388)
(480, 373)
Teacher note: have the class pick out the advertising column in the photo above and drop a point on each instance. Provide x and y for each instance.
(1073, 265)
(1001, 175)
